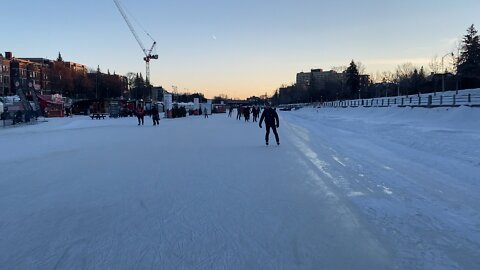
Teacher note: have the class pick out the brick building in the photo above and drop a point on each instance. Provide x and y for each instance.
(48, 77)
(5, 88)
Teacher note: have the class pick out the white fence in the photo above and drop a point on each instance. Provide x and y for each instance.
(469, 97)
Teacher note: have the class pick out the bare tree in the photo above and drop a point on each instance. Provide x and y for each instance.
(339, 69)
(404, 70)
(360, 67)
(451, 62)
(388, 77)
(456, 55)
(131, 79)
(223, 96)
(376, 77)
(435, 65)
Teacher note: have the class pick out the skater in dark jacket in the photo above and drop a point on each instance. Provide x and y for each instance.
(155, 115)
(271, 122)
(255, 113)
(246, 113)
(239, 113)
(140, 112)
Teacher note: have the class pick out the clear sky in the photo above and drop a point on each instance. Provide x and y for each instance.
(237, 48)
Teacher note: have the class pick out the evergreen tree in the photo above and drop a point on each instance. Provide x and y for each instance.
(138, 90)
(139, 81)
(414, 82)
(275, 98)
(353, 79)
(422, 81)
(469, 60)
(422, 73)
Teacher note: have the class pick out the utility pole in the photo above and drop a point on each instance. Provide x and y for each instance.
(96, 82)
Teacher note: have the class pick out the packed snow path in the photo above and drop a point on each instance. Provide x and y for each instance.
(195, 193)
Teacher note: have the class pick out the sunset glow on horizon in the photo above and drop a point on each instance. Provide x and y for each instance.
(237, 48)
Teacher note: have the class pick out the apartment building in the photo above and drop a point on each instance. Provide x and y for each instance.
(25, 74)
(319, 77)
(303, 78)
(5, 88)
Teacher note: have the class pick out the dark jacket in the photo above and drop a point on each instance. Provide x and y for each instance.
(155, 111)
(139, 111)
(270, 116)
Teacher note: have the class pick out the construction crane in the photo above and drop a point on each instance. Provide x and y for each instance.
(148, 53)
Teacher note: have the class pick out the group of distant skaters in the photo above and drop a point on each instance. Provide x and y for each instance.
(140, 113)
(269, 115)
(155, 113)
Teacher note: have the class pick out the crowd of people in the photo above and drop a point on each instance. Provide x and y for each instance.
(246, 111)
(268, 116)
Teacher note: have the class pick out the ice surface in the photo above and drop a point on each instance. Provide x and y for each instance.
(379, 188)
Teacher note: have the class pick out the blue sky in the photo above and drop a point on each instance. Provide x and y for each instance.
(237, 48)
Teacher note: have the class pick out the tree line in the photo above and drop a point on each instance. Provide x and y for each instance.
(461, 71)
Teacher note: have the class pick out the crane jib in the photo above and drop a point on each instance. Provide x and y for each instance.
(132, 29)
(148, 54)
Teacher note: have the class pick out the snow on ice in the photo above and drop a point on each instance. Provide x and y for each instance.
(355, 188)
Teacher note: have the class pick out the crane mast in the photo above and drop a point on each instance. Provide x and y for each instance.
(148, 53)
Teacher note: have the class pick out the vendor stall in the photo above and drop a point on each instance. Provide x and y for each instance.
(52, 105)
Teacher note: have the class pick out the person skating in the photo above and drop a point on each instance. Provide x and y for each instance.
(155, 115)
(239, 113)
(246, 114)
(271, 122)
(254, 113)
(230, 109)
(140, 112)
(205, 112)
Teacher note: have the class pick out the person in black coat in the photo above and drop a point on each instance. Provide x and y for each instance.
(246, 114)
(271, 122)
(239, 113)
(155, 115)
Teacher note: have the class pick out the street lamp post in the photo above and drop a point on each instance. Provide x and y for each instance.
(96, 85)
(443, 71)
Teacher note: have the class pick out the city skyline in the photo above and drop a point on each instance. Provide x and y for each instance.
(239, 49)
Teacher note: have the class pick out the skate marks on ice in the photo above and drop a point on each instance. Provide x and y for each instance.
(332, 165)
(367, 250)
(402, 198)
